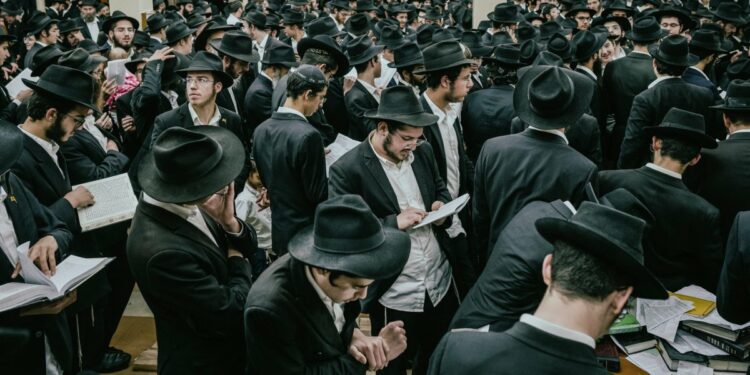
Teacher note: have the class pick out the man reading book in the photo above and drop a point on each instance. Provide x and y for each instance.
(596, 265)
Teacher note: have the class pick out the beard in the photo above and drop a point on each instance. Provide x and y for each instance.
(387, 142)
(89, 18)
(120, 44)
(56, 132)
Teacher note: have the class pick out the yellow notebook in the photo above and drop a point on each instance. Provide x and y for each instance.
(701, 307)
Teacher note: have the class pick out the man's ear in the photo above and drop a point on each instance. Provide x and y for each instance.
(51, 114)
(619, 299)
(547, 270)
(695, 160)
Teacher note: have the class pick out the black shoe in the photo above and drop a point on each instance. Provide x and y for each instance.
(114, 360)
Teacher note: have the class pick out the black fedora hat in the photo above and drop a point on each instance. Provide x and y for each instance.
(617, 5)
(43, 58)
(706, 39)
(473, 41)
(273, 21)
(293, 17)
(177, 32)
(730, 12)
(256, 18)
(399, 104)
(433, 13)
(216, 25)
(674, 11)
(391, 37)
(612, 236)
(186, 165)
(673, 50)
(5, 37)
(340, 4)
(550, 97)
(80, 59)
(208, 62)
(91, 47)
(682, 125)
(737, 98)
(587, 44)
(11, 146)
(579, 7)
(505, 13)
(156, 22)
(365, 6)
(551, 28)
(526, 32)
(646, 30)
(529, 50)
(560, 46)
(506, 55)
(325, 45)
(623, 200)
(624, 23)
(358, 24)
(38, 22)
(69, 25)
(443, 55)
(65, 83)
(195, 20)
(361, 49)
(323, 26)
(118, 16)
(407, 55)
(141, 39)
(442, 35)
(534, 16)
(424, 35)
(137, 58)
(544, 58)
(740, 69)
(11, 9)
(347, 237)
(238, 45)
(279, 53)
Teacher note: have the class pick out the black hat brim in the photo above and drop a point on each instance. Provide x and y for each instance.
(11, 145)
(382, 262)
(226, 80)
(288, 64)
(341, 60)
(600, 40)
(481, 51)
(58, 94)
(180, 36)
(371, 52)
(641, 38)
(418, 120)
(230, 166)
(202, 39)
(583, 91)
(645, 284)
(159, 26)
(403, 64)
(132, 65)
(107, 25)
(689, 60)
(453, 64)
(737, 21)
(724, 107)
(694, 137)
(491, 17)
(252, 57)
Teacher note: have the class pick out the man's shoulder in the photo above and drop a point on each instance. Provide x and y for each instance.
(470, 349)
(272, 292)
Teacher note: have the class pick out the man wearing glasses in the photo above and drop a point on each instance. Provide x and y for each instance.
(582, 14)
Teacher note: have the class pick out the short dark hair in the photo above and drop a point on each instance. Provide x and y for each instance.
(333, 275)
(578, 274)
(434, 78)
(669, 69)
(738, 117)
(679, 150)
(393, 126)
(46, 29)
(40, 103)
(319, 57)
(501, 74)
(363, 66)
(297, 84)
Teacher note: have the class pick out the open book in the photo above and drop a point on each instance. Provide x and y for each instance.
(71, 273)
(338, 148)
(15, 86)
(448, 209)
(115, 202)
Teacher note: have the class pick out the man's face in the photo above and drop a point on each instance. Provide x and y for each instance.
(461, 86)
(237, 68)
(50, 36)
(65, 124)
(291, 30)
(139, 71)
(619, 13)
(399, 144)
(345, 289)
(201, 88)
(671, 25)
(554, 13)
(314, 102)
(4, 53)
(103, 11)
(607, 52)
(248, 29)
(417, 79)
(615, 31)
(402, 18)
(378, 67)
(593, 5)
(729, 29)
(583, 19)
(73, 38)
(122, 34)
(88, 13)
(188, 8)
(342, 15)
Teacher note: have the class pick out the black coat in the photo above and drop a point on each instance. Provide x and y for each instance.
(88, 161)
(258, 105)
(514, 170)
(129, 140)
(288, 329)
(290, 159)
(85, 30)
(196, 293)
(584, 136)
(154, 45)
(511, 283)
(358, 101)
(733, 294)
(622, 80)
(521, 349)
(486, 114)
(723, 179)
(28, 58)
(650, 107)
(335, 109)
(696, 78)
(683, 246)
(595, 108)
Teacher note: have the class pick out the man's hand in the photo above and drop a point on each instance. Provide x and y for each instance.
(409, 218)
(436, 206)
(394, 337)
(348, 84)
(80, 197)
(233, 253)
(104, 121)
(128, 124)
(24, 94)
(108, 88)
(112, 145)
(263, 200)
(368, 350)
(220, 206)
(42, 253)
(163, 54)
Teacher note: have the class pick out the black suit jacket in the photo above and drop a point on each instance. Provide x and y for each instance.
(511, 283)
(486, 114)
(290, 159)
(154, 45)
(336, 112)
(360, 172)
(358, 101)
(595, 108)
(584, 136)
(288, 329)
(30, 55)
(733, 294)
(521, 349)
(692, 257)
(695, 77)
(85, 30)
(195, 292)
(258, 105)
(514, 170)
(319, 119)
(650, 107)
(88, 161)
(723, 179)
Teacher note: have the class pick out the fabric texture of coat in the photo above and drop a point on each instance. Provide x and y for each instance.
(486, 114)
(733, 294)
(358, 101)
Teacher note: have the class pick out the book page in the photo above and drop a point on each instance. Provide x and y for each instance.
(448, 209)
(116, 70)
(16, 85)
(338, 148)
(29, 271)
(15, 295)
(74, 270)
(115, 202)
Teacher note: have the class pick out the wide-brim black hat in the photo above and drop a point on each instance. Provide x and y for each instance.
(362, 55)
(138, 58)
(326, 44)
(416, 119)
(614, 253)
(737, 98)
(155, 182)
(247, 55)
(685, 60)
(91, 47)
(177, 32)
(670, 11)
(213, 27)
(624, 23)
(506, 55)
(679, 132)
(730, 12)
(43, 58)
(158, 23)
(11, 145)
(441, 56)
(11, 9)
(69, 26)
(67, 84)
(38, 22)
(562, 116)
(580, 7)
(202, 63)
(646, 37)
(118, 16)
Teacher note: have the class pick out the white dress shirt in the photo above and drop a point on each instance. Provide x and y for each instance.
(588, 71)
(213, 121)
(50, 147)
(261, 47)
(246, 207)
(8, 238)
(291, 110)
(386, 73)
(93, 28)
(558, 330)
(295, 42)
(172, 97)
(427, 269)
(232, 20)
(190, 213)
(90, 126)
(371, 89)
(335, 309)
(552, 131)
(664, 170)
(339, 26)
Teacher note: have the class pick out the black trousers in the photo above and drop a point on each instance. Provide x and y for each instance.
(423, 332)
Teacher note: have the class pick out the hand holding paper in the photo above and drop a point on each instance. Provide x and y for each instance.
(448, 209)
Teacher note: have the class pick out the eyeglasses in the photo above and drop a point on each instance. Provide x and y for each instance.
(417, 141)
(78, 120)
(200, 81)
(124, 30)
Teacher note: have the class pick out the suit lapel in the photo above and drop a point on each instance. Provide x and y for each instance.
(433, 129)
(317, 313)
(46, 166)
(424, 181)
(372, 164)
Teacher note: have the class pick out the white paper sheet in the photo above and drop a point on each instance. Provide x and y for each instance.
(712, 318)
(16, 85)
(116, 70)
(662, 317)
(448, 209)
(686, 342)
(690, 368)
(30, 272)
(338, 148)
(650, 361)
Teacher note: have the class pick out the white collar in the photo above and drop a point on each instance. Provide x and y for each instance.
(642, 53)
(700, 71)
(552, 131)
(439, 112)
(664, 170)
(658, 80)
(291, 110)
(273, 83)
(181, 210)
(370, 88)
(570, 207)
(48, 145)
(3, 194)
(156, 38)
(739, 131)
(558, 330)
(387, 163)
(214, 120)
(262, 43)
(588, 71)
